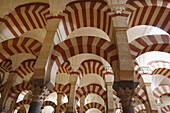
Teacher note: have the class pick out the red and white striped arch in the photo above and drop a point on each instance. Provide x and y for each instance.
(158, 64)
(149, 43)
(52, 104)
(140, 93)
(118, 106)
(19, 45)
(24, 18)
(92, 66)
(60, 88)
(25, 92)
(15, 90)
(162, 71)
(149, 12)
(91, 88)
(160, 67)
(80, 14)
(94, 105)
(161, 90)
(65, 68)
(22, 103)
(63, 107)
(137, 70)
(165, 109)
(49, 103)
(114, 95)
(139, 108)
(5, 66)
(25, 68)
(84, 44)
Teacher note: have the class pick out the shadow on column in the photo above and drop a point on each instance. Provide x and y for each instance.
(125, 91)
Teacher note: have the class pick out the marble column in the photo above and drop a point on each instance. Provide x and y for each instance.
(59, 102)
(125, 91)
(109, 79)
(71, 103)
(39, 91)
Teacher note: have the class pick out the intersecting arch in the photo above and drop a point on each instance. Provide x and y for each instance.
(94, 79)
(19, 88)
(22, 103)
(63, 73)
(161, 90)
(60, 88)
(160, 67)
(49, 103)
(165, 109)
(139, 108)
(92, 88)
(92, 66)
(94, 105)
(80, 45)
(140, 93)
(92, 97)
(5, 66)
(133, 33)
(149, 12)
(80, 14)
(25, 68)
(158, 64)
(25, 18)
(19, 45)
(149, 43)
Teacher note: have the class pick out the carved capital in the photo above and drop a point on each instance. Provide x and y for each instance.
(125, 91)
(126, 94)
(39, 90)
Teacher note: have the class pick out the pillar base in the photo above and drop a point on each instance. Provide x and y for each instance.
(35, 107)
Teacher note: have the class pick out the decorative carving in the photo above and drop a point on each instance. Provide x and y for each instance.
(125, 91)
(118, 10)
(117, 6)
(57, 6)
(39, 90)
(126, 94)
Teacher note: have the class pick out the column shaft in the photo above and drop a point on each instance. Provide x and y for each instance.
(125, 61)
(42, 66)
(151, 100)
(35, 107)
(6, 91)
(71, 104)
(109, 83)
(38, 91)
(82, 99)
(59, 97)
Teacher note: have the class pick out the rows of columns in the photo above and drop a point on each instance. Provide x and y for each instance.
(42, 63)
